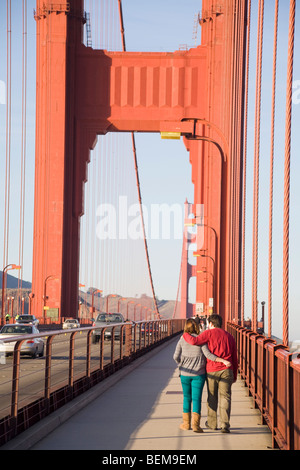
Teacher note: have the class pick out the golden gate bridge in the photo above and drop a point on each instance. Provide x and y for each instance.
(76, 99)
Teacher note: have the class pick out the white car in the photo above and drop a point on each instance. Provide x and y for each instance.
(107, 320)
(70, 323)
(31, 346)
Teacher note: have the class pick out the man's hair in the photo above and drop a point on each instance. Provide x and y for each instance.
(216, 320)
(191, 327)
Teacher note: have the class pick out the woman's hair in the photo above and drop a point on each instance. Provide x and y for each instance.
(191, 327)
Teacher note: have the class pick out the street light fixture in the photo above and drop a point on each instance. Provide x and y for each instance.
(129, 302)
(109, 295)
(45, 297)
(93, 294)
(7, 268)
(12, 307)
(136, 305)
(119, 301)
(199, 254)
(141, 311)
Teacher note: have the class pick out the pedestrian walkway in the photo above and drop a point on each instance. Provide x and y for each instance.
(139, 408)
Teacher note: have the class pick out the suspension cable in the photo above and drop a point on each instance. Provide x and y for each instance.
(23, 143)
(272, 171)
(256, 163)
(137, 175)
(245, 165)
(287, 164)
(8, 136)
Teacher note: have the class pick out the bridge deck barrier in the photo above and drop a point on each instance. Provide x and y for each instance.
(272, 374)
(72, 362)
(139, 408)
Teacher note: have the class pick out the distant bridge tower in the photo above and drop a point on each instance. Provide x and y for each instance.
(187, 269)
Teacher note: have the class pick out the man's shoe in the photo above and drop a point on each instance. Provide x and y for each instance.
(225, 430)
(207, 425)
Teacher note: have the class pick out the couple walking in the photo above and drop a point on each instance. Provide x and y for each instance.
(210, 357)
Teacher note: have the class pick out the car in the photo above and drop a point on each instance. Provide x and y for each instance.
(147, 328)
(107, 320)
(70, 323)
(32, 346)
(27, 320)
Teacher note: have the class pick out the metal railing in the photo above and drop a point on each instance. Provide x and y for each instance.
(272, 375)
(72, 363)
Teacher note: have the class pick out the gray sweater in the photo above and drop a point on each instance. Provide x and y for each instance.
(191, 360)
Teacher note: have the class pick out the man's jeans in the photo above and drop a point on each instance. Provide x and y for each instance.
(219, 386)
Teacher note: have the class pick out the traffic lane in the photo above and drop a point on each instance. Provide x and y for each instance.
(32, 371)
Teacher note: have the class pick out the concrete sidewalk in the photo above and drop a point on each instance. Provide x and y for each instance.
(140, 409)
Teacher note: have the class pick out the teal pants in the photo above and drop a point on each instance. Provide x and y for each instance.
(192, 388)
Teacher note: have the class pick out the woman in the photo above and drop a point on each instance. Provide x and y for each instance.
(192, 370)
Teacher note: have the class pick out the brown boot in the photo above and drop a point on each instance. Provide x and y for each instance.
(196, 423)
(186, 425)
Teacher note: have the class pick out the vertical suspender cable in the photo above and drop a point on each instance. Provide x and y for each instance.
(272, 172)
(137, 177)
(242, 47)
(8, 135)
(256, 163)
(23, 149)
(245, 167)
(287, 163)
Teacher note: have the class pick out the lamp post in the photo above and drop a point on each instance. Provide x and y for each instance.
(207, 272)
(141, 312)
(82, 310)
(262, 321)
(109, 295)
(12, 307)
(136, 305)
(119, 301)
(7, 268)
(31, 296)
(129, 302)
(45, 297)
(93, 294)
(197, 253)
(8, 302)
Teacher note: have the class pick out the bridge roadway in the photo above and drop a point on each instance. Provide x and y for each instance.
(139, 408)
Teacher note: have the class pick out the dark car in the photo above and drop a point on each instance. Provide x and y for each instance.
(27, 320)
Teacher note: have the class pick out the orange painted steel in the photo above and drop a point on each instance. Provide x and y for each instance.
(82, 93)
(272, 375)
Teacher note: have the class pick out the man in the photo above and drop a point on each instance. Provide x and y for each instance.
(219, 377)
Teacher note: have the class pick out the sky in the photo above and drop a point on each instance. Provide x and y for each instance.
(164, 168)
